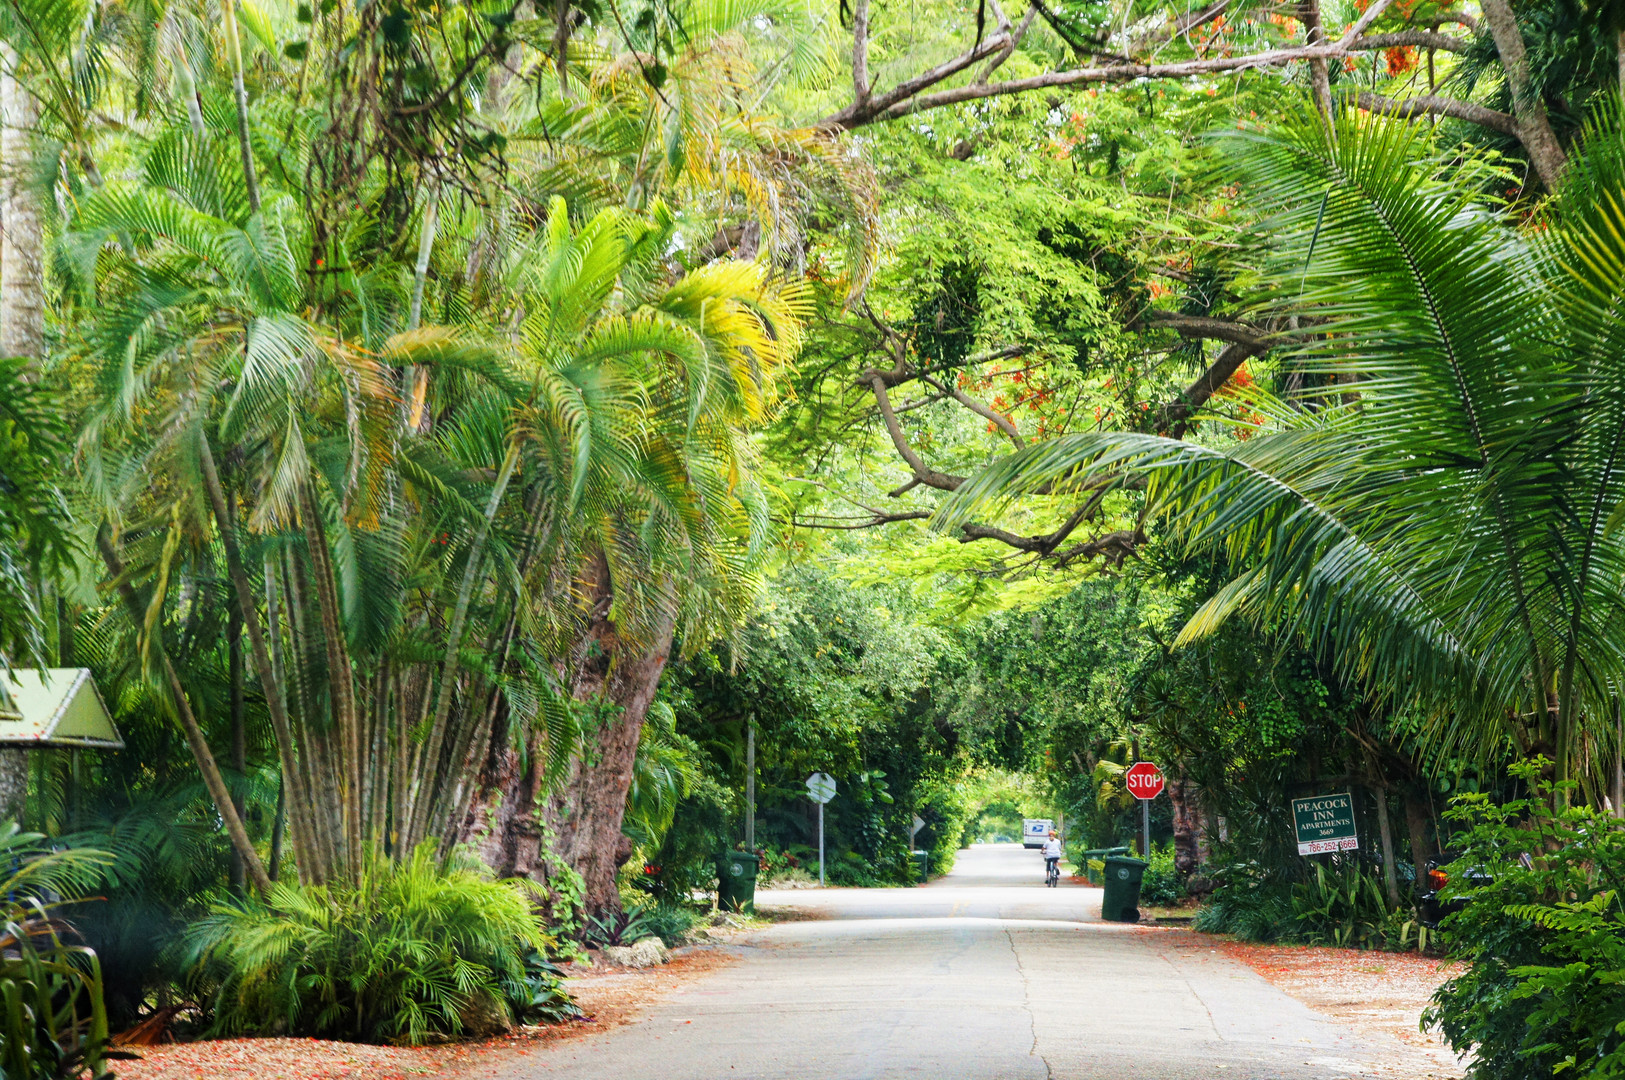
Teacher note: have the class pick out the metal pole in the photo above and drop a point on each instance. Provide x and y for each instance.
(820, 843)
(1145, 828)
(750, 785)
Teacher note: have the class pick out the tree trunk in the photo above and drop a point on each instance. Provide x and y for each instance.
(1385, 832)
(1416, 821)
(22, 301)
(22, 262)
(13, 783)
(234, 51)
(311, 868)
(239, 739)
(1187, 826)
(1319, 75)
(207, 766)
(579, 819)
(1534, 129)
(588, 808)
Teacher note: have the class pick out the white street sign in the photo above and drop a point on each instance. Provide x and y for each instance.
(821, 787)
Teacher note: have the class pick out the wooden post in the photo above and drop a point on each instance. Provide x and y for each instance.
(750, 784)
(1619, 726)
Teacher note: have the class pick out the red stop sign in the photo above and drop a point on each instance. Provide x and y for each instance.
(1144, 780)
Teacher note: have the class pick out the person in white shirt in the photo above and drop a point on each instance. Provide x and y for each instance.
(1052, 853)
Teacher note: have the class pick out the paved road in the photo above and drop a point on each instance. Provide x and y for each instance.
(982, 975)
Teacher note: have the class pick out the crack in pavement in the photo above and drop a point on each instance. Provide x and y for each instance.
(1027, 1003)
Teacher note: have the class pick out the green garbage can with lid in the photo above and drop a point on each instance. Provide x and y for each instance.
(922, 865)
(736, 881)
(1097, 853)
(1121, 902)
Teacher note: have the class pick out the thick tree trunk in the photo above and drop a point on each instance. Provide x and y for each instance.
(22, 262)
(1416, 821)
(587, 809)
(22, 300)
(580, 818)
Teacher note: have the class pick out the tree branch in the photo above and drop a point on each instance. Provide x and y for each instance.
(907, 98)
(922, 472)
(1010, 45)
(1421, 39)
(980, 409)
(1244, 342)
(854, 116)
(1217, 329)
(1431, 105)
(860, 52)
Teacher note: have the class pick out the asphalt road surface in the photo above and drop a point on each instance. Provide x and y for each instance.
(981, 975)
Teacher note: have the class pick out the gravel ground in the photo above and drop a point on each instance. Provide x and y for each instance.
(609, 996)
(1372, 991)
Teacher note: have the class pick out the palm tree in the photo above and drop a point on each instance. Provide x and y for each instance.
(1444, 514)
(648, 517)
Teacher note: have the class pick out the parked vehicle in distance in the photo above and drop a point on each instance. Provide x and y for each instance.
(1431, 908)
(1034, 831)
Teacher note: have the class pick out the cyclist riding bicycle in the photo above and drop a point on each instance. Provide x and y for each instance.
(1052, 857)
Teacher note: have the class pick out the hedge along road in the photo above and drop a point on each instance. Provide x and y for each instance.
(981, 975)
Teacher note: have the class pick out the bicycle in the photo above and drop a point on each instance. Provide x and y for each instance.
(1052, 875)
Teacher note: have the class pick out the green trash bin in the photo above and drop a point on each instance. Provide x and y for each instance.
(1098, 853)
(736, 881)
(1122, 900)
(922, 865)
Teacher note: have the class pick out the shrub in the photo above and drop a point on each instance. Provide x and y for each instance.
(415, 951)
(1246, 902)
(1162, 884)
(1344, 908)
(1543, 934)
(671, 923)
(53, 1024)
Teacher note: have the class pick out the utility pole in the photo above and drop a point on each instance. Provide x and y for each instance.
(750, 783)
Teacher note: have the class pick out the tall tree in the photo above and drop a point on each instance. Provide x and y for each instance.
(1448, 529)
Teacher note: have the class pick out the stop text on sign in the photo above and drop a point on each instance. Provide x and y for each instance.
(1144, 780)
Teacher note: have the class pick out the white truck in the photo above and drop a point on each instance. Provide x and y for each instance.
(1034, 831)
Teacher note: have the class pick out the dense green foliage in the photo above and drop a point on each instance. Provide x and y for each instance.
(437, 418)
(53, 1024)
(411, 952)
(1543, 933)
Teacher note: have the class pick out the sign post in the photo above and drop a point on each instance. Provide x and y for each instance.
(1145, 782)
(820, 789)
(1325, 823)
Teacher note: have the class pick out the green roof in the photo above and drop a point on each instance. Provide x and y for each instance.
(59, 707)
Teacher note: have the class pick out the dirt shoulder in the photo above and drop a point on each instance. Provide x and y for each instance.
(608, 997)
(1375, 992)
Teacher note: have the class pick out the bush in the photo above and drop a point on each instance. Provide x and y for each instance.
(53, 1024)
(1162, 884)
(415, 951)
(1543, 934)
(1246, 902)
(1342, 908)
(671, 923)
